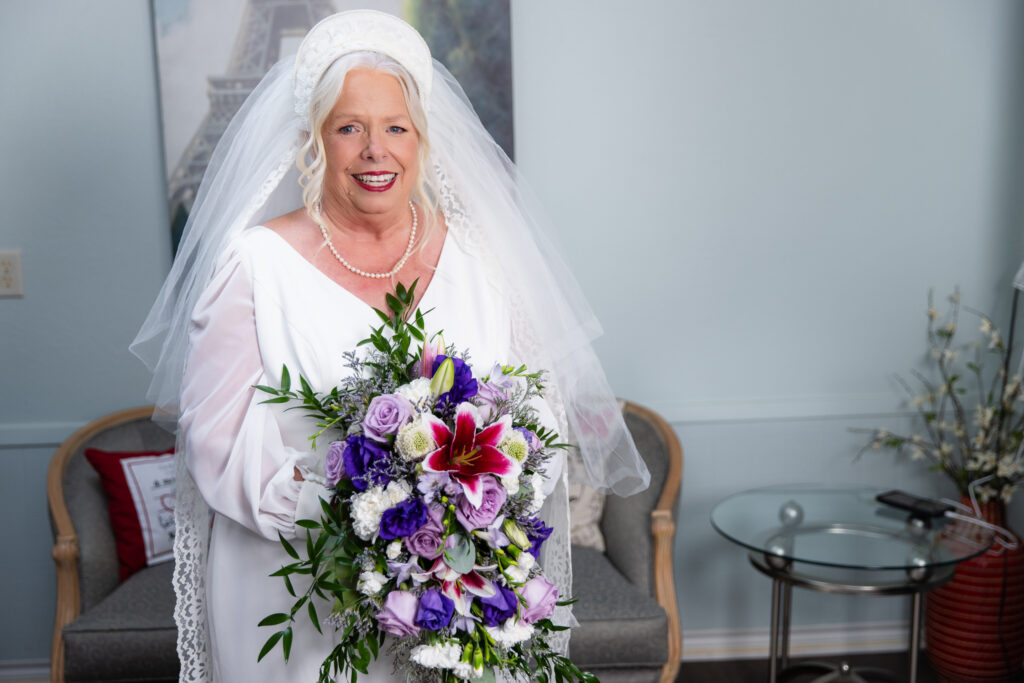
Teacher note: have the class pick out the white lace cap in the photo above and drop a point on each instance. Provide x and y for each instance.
(356, 31)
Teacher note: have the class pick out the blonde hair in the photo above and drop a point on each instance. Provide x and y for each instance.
(311, 158)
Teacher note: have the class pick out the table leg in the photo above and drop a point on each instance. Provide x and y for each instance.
(787, 601)
(773, 648)
(915, 635)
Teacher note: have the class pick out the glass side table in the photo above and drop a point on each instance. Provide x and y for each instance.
(841, 540)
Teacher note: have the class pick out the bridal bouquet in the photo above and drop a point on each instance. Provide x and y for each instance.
(432, 534)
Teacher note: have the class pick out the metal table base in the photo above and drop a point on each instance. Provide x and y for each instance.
(784, 578)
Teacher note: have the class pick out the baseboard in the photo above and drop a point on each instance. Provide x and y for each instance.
(25, 669)
(717, 644)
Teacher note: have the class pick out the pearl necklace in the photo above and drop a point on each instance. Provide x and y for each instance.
(318, 219)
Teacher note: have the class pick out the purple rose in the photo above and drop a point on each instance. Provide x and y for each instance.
(334, 466)
(366, 463)
(488, 395)
(500, 607)
(385, 414)
(538, 532)
(541, 596)
(403, 519)
(464, 387)
(396, 617)
(493, 498)
(435, 610)
(426, 541)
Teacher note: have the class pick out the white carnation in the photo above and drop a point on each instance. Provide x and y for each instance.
(511, 632)
(517, 575)
(514, 445)
(440, 656)
(537, 484)
(466, 672)
(418, 394)
(367, 508)
(511, 480)
(371, 583)
(396, 492)
(394, 550)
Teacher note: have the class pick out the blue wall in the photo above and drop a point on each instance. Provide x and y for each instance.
(758, 197)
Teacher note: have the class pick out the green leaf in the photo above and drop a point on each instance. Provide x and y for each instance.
(314, 617)
(461, 556)
(286, 643)
(394, 304)
(280, 399)
(308, 524)
(287, 546)
(269, 645)
(286, 379)
(275, 619)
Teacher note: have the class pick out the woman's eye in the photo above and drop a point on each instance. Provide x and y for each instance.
(396, 129)
(347, 129)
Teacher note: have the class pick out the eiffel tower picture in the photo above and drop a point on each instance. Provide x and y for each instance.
(472, 38)
(266, 27)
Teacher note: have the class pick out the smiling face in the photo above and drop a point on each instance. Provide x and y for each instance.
(370, 148)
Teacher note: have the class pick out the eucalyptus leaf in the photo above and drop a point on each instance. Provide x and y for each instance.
(461, 556)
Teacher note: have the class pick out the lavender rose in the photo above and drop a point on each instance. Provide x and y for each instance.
(426, 541)
(500, 607)
(403, 519)
(385, 415)
(493, 498)
(541, 596)
(435, 610)
(398, 613)
(488, 395)
(365, 462)
(334, 466)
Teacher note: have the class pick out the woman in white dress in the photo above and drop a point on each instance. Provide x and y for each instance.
(399, 182)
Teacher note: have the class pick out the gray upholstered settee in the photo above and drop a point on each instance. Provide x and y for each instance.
(629, 621)
(105, 631)
(112, 632)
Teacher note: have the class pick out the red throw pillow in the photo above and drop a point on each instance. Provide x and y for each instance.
(140, 495)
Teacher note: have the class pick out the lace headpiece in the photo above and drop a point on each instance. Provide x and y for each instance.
(356, 31)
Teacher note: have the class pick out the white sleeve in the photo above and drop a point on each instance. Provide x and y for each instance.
(234, 448)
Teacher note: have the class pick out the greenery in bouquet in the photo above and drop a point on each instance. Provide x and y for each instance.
(428, 547)
(970, 408)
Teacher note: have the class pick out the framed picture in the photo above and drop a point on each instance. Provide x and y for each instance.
(211, 55)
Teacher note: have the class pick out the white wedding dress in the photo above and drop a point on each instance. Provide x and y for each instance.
(266, 307)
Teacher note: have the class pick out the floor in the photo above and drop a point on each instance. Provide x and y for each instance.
(756, 670)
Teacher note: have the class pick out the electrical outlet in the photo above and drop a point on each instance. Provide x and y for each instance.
(10, 274)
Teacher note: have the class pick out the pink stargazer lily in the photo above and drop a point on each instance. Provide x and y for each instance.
(459, 587)
(466, 453)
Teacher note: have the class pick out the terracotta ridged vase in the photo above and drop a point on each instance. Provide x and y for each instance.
(974, 625)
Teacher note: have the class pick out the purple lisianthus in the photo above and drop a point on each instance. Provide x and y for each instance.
(403, 519)
(398, 614)
(464, 387)
(334, 465)
(435, 610)
(365, 462)
(385, 415)
(494, 496)
(426, 541)
(538, 532)
(500, 607)
(541, 596)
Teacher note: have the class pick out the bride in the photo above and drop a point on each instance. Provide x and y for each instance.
(354, 165)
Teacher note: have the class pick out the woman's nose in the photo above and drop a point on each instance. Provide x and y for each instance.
(374, 147)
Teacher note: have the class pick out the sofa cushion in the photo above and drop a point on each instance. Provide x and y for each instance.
(129, 635)
(620, 625)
